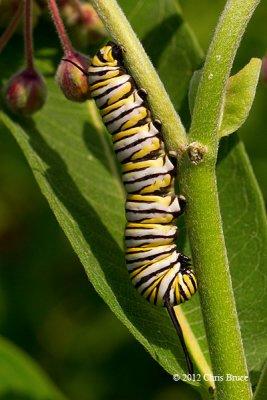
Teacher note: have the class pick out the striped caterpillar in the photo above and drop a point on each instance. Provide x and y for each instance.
(158, 271)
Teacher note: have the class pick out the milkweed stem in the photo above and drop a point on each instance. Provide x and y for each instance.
(63, 36)
(28, 39)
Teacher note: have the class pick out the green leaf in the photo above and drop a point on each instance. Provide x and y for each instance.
(245, 230)
(22, 378)
(261, 389)
(72, 160)
(240, 93)
(193, 86)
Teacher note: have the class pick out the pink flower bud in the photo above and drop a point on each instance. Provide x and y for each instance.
(72, 81)
(26, 92)
(84, 24)
(91, 25)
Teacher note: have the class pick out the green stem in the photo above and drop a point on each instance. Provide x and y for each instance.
(210, 262)
(145, 75)
(198, 183)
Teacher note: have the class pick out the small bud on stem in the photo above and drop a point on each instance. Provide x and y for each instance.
(26, 92)
(72, 81)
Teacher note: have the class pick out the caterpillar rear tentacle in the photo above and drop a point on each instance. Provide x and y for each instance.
(158, 271)
(179, 332)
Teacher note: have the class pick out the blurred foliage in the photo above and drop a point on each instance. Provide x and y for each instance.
(63, 324)
(21, 378)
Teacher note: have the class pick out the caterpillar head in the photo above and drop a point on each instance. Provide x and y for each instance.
(110, 55)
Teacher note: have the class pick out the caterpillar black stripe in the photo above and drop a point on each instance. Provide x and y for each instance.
(158, 271)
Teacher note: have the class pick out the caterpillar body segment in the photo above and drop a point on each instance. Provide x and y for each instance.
(152, 209)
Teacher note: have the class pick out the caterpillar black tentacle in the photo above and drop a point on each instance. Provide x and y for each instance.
(181, 337)
(158, 271)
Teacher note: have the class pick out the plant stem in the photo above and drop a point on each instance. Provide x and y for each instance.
(144, 73)
(28, 40)
(4, 39)
(198, 183)
(63, 36)
(210, 262)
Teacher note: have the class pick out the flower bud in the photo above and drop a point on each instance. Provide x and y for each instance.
(84, 24)
(72, 81)
(26, 92)
(91, 25)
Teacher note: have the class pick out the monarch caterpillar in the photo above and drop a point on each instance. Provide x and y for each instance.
(158, 271)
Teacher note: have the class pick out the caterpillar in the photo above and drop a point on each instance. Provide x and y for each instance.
(158, 271)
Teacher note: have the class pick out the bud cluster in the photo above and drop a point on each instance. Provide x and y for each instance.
(25, 92)
(83, 22)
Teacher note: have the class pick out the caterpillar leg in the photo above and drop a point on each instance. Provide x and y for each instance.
(142, 93)
(182, 203)
(157, 124)
(173, 157)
